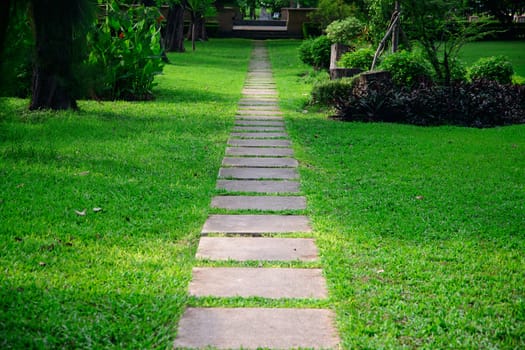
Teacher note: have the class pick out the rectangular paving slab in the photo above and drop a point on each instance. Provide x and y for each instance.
(257, 111)
(258, 135)
(261, 249)
(253, 328)
(258, 107)
(259, 186)
(259, 202)
(244, 122)
(258, 173)
(260, 101)
(260, 162)
(259, 143)
(248, 128)
(259, 117)
(259, 151)
(271, 283)
(256, 224)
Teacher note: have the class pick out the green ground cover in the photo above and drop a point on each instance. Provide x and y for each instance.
(116, 278)
(514, 50)
(421, 230)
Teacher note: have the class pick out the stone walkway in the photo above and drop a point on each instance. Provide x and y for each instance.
(259, 174)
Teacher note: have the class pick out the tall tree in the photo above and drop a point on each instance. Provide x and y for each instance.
(198, 10)
(174, 31)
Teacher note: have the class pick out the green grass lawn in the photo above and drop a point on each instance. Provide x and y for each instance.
(116, 278)
(421, 230)
(514, 50)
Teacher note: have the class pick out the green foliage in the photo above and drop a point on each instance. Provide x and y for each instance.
(332, 10)
(124, 53)
(16, 61)
(345, 31)
(361, 58)
(316, 52)
(328, 92)
(406, 67)
(473, 51)
(496, 68)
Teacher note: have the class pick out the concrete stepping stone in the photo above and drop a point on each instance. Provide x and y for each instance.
(272, 283)
(258, 162)
(264, 103)
(254, 328)
(258, 173)
(259, 117)
(259, 143)
(259, 108)
(258, 135)
(263, 100)
(257, 249)
(259, 202)
(259, 151)
(259, 186)
(259, 128)
(252, 111)
(244, 122)
(256, 224)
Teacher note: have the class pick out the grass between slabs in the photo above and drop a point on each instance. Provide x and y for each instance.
(101, 210)
(421, 231)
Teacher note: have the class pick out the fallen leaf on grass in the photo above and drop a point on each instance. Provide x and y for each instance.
(81, 213)
(97, 210)
(83, 173)
(419, 198)
(42, 263)
(380, 271)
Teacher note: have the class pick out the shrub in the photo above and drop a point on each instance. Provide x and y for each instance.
(345, 31)
(458, 72)
(125, 53)
(496, 68)
(407, 68)
(328, 93)
(361, 59)
(316, 52)
(479, 104)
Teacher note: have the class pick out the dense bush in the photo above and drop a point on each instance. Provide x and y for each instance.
(345, 31)
(327, 93)
(125, 53)
(482, 103)
(496, 68)
(316, 52)
(406, 68)
(361, 59)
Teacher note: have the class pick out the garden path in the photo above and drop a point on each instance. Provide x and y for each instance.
(258, 174)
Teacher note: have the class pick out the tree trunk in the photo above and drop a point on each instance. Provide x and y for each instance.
(52, 73)
(197, 29)
(174, 36)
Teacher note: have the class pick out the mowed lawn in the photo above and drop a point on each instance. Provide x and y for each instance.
(421, 230)
(101, 211)
(514, 50)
